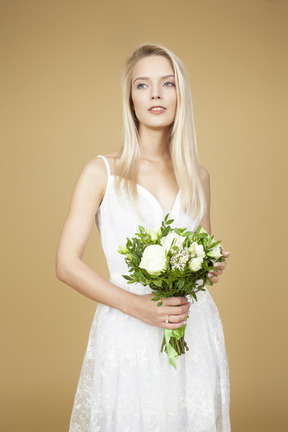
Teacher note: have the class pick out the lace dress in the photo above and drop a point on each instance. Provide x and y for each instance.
(126, 384)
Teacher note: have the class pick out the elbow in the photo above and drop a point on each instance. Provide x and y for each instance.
(61, 269)
(66, 266)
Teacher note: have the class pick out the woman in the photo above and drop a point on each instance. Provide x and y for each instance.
(126, 384)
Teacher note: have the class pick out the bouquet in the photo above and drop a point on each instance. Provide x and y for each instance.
(174, 262)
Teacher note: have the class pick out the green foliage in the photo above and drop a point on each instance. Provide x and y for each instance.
(172, 282)
(177, 279)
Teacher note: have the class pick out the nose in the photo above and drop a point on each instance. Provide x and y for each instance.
(155, 97)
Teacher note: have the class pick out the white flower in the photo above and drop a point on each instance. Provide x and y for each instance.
(153, 235)
(195, 264)
(167, 240)
(179, 259)
(215, 252)
(197, 250)
(154, 259)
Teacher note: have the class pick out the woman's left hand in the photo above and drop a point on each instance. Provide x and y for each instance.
(213, 275)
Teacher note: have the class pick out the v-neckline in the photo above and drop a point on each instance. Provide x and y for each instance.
(152, 198)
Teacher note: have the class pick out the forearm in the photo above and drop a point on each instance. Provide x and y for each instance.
(86, 281)
(75, 273)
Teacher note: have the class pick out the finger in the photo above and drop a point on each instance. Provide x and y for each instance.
(225, 253)
(175, 301)
(175, 310)
(173, 326)
(217, 270)
(221, 265)
(214, 279)
(213, 275)
(177, 318)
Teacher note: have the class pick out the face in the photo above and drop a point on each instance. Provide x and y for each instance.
(154, 92)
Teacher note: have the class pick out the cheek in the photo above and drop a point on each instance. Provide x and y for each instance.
(174, 100)
(136, 101)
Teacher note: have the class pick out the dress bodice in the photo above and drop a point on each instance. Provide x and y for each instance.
(118, 219)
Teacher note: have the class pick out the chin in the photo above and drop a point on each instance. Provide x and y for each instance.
(157, 124)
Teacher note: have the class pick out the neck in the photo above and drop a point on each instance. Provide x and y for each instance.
(154, 143)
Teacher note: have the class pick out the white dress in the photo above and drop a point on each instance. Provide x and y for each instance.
(126, 384)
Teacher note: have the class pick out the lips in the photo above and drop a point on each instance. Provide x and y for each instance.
(157, 108)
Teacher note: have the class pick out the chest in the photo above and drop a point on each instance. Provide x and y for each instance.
(160, 181)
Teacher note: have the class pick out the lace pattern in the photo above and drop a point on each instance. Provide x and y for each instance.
(126, 384)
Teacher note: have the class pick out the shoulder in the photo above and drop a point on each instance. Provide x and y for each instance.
(97, 167)
(94, 169)
(205, 176)
(113, 160)
(205, 181)
(93, 177)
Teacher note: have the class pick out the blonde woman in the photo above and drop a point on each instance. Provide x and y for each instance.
(126, 384)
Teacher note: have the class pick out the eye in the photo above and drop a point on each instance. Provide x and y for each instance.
(141, 85)
(169, 84)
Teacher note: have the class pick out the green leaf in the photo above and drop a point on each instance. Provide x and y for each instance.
(194, 295)
(188, 233)
(157, 282)
(215, 244)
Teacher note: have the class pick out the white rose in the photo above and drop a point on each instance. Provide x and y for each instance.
(167, 240)
(215, 252)
(195, 264)
(154, 259)
(198, 250)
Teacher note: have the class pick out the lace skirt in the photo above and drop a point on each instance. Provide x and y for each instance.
(127, 385)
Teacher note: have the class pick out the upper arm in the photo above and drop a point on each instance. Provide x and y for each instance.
(205, 178)
(86, 198)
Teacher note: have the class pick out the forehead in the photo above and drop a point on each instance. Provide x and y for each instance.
(152, 66)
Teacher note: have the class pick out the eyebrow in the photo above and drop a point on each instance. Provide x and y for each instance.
(147, 78)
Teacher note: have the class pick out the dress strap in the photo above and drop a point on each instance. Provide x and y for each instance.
(106, 163)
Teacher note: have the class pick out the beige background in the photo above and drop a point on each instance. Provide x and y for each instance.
(61, 106)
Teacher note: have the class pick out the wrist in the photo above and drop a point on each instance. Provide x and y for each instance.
(128, 303)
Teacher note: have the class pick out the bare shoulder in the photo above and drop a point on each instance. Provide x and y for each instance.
(95, 169)
(113, 159)
(113, 156)
(205, 176)
(93, 178)
(205, 179)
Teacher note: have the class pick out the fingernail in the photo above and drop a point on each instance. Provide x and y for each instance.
(209, 275)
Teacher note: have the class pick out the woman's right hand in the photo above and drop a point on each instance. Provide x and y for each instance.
(171, 315)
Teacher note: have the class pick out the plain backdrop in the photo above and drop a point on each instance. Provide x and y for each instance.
(61, 106)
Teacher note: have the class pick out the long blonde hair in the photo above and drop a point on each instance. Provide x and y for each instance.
(182, 141)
